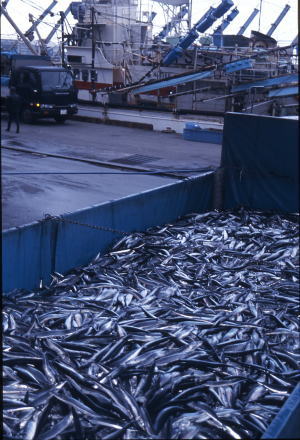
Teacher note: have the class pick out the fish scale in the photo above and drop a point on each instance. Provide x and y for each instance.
(189, 329)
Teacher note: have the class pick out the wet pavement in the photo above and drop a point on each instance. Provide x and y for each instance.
(26, 198)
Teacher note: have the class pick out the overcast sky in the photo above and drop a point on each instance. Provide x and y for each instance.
(285, 33)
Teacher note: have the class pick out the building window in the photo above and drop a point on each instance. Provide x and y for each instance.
(76, 73)
(85, 75)
(74, 59)
(94, 75)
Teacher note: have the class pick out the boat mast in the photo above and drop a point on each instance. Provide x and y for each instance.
(190, 14)
(41, 18)
(260, 8)
(248, 21)
(19, 32)
(278, 20)
(33, 28)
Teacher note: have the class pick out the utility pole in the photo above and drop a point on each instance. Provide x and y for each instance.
(19, 32)
(93, 37)
(34, 28)
(51, 34)
(62, 18)
(93, 73)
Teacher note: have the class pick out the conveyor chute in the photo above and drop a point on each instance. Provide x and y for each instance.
(201, 26)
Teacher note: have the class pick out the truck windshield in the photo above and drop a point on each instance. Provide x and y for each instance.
(52, 80)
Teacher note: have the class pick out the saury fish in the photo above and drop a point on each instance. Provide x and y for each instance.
(189, 330)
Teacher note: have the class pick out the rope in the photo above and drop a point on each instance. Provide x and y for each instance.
(60, 218)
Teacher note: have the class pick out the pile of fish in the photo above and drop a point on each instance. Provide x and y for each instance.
(185, 331)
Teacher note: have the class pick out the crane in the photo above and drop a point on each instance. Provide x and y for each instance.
(225, 23)
(30, 31)
(278, 20)
(43, 48)
(169, 26)
(248, 21)
(19, 32)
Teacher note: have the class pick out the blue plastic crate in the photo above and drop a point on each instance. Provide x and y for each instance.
(192, 126)
(196, 134)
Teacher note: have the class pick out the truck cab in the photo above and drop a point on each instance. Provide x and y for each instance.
(47, 91)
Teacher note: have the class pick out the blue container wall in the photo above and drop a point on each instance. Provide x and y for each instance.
(31, 253)
(286, 425)
(260, 158)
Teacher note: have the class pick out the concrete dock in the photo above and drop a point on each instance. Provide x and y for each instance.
(83, 147)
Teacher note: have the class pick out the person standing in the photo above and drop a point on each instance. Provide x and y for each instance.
(14, 105)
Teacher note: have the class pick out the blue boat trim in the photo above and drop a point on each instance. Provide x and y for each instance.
(286, 91)
(172, 82)
(266, 83)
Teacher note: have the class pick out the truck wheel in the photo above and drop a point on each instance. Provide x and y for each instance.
(60, 119)
(27, 116)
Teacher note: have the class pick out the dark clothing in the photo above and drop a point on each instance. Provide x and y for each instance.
(14, 105)
(13, 117)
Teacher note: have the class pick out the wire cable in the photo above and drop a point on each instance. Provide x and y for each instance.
(125, 173)
(32, 4)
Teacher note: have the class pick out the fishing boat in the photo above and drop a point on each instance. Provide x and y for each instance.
(113, 48)
(118, 58)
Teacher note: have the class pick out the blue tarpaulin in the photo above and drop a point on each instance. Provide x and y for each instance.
(32, 252)
(260, 162)
(172, 82)
(266, 83)
(260, 159)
